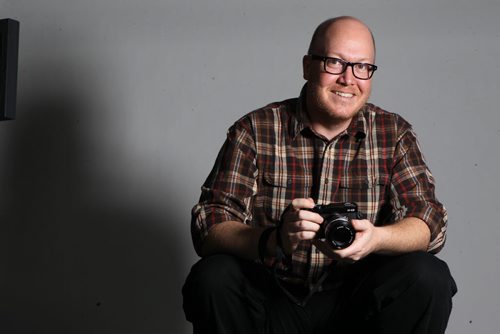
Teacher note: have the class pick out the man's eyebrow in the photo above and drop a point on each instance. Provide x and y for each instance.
(366, 60)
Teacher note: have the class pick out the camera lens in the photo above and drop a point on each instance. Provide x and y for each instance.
(340, 232)
(341, 237)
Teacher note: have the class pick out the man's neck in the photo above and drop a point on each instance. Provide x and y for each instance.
(330, 130)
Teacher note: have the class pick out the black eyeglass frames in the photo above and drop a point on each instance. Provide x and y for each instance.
(362, 71)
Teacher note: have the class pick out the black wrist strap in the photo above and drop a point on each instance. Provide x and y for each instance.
(263, 239)
(280, 253)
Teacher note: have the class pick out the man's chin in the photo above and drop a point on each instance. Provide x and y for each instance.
(333, 110)
(340, 114)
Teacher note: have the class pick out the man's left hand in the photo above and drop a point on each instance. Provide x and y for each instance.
(365, 243)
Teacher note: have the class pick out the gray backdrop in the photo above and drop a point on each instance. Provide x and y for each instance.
(123, 105)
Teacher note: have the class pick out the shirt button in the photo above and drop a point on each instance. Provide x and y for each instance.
(326, 180)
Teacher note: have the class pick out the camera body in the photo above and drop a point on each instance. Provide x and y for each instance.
(337, 227)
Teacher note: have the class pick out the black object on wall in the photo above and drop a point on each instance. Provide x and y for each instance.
(9, 46)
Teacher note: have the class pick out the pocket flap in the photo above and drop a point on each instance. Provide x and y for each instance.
(364, 182)
(277, 180)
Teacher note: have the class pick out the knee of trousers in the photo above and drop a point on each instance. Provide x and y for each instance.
(213, 275)
(430, 275)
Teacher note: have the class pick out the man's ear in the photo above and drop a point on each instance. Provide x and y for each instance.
(306, 67)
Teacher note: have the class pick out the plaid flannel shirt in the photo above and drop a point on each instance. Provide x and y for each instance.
(272, 156)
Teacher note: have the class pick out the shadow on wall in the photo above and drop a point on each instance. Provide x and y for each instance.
(72, 264)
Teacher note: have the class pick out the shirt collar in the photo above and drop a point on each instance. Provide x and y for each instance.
(301, 118)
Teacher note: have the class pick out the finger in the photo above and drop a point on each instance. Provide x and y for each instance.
(304, 225)
(310, 216)
(302, 235)
(361, 225)
(302, 203)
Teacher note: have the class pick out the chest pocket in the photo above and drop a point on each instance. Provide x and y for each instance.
(277, 191)
(368, 192)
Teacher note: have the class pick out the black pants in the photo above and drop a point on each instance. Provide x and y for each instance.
(409, 293)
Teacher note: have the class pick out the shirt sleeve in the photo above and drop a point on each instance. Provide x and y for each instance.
(227, 192)
(413, 190)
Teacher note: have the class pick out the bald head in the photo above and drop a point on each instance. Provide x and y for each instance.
(334, 26)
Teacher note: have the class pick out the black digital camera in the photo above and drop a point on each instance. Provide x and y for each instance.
(337, 227)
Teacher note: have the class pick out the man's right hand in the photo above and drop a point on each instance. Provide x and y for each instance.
(299, 224)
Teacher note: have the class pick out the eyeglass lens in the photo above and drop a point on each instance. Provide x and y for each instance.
(338, 66)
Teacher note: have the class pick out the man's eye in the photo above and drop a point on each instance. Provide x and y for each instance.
(362, 67)
(335, 62)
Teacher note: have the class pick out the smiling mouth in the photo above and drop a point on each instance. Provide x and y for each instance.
(342, 94)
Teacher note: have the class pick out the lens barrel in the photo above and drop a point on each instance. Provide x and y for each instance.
(339, 232)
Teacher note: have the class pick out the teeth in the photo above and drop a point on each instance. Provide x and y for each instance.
(344, 94)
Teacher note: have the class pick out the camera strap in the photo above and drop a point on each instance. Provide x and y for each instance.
(280, 256)
(317, 168)
(295, 299)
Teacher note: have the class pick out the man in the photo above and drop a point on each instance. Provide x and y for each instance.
(266, 264)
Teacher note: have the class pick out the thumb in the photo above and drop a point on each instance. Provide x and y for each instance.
(361, 224)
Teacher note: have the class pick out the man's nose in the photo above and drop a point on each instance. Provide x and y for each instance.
(347, 78)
